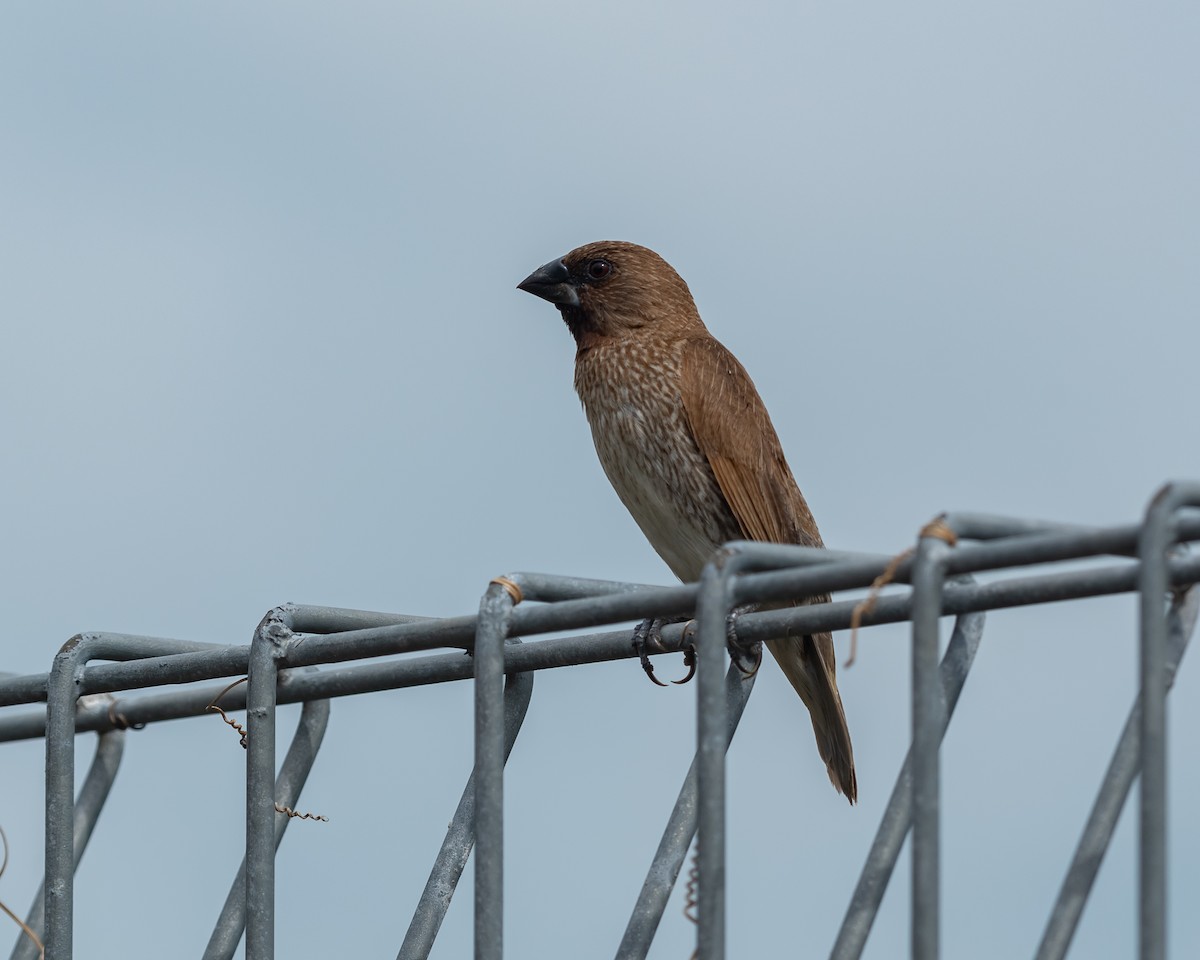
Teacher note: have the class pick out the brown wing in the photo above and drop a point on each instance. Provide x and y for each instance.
(734, 432)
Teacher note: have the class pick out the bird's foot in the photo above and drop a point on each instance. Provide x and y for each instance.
(747, 657)
(689, 661)
(647, 639)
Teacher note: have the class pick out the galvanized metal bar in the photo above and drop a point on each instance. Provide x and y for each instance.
(928, 721)
(61, 695)
(495, 616)
(1024, 547)
(713, 607)
(557, 587)
(34, 688)
(460, 837)
(1157, 536)
(956, 599)
(1111, 798)
(677, 837)
(717, 599)
(297, 764)
(311, 618)
(270, 643)
(110, 746)
(60, 790)
(897, 816)
(832, 573)
(296, 686)
(1159, 532)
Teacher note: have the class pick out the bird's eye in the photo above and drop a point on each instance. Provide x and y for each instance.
(599, 269)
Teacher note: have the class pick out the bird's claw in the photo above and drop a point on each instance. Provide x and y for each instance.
(649, 668)
(756, 649)
(689, 661)
(647, 639)
(739, 652)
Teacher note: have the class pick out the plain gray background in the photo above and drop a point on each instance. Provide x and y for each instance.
(261, 343)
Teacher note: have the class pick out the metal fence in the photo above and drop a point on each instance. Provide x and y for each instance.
(311, 654)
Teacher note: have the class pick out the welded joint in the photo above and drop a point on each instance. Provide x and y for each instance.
(72, 655)
(71, 644)
(275, 630)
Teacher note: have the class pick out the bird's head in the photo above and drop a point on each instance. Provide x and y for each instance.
(613, 289)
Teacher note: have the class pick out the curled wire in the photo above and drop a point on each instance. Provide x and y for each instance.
(867, 604)
(691, 900)
(937, 527)
(288, 811)
(245, 736)
(245, 739)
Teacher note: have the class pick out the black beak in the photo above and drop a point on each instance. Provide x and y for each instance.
(551, 282)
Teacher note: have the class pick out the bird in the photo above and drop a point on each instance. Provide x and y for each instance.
(687, 443)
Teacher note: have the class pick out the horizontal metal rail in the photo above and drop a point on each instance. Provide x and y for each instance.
(296, 687)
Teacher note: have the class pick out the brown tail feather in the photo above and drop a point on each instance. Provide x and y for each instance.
(810, 665)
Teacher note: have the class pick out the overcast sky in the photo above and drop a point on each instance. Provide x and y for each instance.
(262, 343)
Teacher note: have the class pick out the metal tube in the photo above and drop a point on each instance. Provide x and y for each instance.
(557, 587)
(339, 681)
(110, 747)
(1026, 546)
(61, 695)
(495, 615)
(269, 644)
(928, 722)
(677, 837)
(1111, 798)
(60, 789)
(712, 613)
(297, 764)
(816, 579)
(34, 688)
(1159, 532)
(460, 837)
(897, 816)
(309, 618)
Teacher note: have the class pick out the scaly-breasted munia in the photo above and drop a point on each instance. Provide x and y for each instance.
(686, 442)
